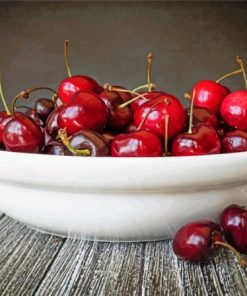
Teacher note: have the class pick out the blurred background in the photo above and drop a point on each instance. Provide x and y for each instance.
(190, 41)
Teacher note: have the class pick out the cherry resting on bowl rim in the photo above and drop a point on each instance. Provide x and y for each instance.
(72, 84)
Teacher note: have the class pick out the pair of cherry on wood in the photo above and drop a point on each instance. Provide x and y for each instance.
(86, 119)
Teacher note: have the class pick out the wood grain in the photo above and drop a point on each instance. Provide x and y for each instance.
(33, 263)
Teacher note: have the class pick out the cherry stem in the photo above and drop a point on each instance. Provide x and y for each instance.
(109, 87)
(241, 260)
(167, 118)
(229, 75)
(25, 95)
(62, 134)
(149, 66)
(66, 44)
(241, 64)
(151, 85)
(165, 100)
(187, 96)
(2, 97)
(191, 113)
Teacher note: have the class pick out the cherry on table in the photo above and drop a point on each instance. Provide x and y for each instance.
(234, 141)
(140, 143)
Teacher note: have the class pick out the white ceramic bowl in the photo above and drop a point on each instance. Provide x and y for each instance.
(127, 199)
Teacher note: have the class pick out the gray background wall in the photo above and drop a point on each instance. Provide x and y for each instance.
(109, 40)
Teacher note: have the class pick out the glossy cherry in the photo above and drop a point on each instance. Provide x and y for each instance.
(30, 112)
(195, 241)
(234, 141)
(201, 141)
(44, 107)
(85, 111)
(151, 115)
(118, 118)
(51, 125)
(72, 84)
(233, 109)
(22, 134)
(139, 143)
(202, 116)
(56, 148)
(86, 143)
(233, 220)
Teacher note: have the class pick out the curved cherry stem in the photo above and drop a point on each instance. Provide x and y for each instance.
(2, 97)
(164, 100)
(66, 45)
(151, 85)
(62, 134)
(241, 260)
(25, 95)
(167, 119)
(149, 67)
(191, 113)
(109, 87)
(239, 71)
(241, 64)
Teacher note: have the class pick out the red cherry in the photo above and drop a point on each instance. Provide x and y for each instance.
(202, 116)
(85, 111)
(131, 128)
(71, 85)
(202, 140)
(234, 141)
(139, 143)
(4, 121)
(22, 134)
(151, 115)
(233, 220)
(51, 124)
(56, 148)
(146, 97)
(209, 94)
(233, 109)
(44, 107)
(195, 241)
(118, 118)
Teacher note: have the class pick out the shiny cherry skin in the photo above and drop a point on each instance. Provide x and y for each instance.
(202, 116)
(209, 95)
(118, 119)
(233, 220)
(69, 86)
(85, 111)
(4, 121)
(233, 109)
(35, 117)
(131, 128)
(155, 111)
(203, 140)
(195, 241)
(139, 143)
(56, 148)
(234, 141)
(91, 140)
(146, 97)
(51, 124)
(22, 134)
(44, 107)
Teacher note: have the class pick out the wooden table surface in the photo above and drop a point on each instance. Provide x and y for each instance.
(34, 263)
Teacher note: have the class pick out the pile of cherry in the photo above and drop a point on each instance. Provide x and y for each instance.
(199, 240)
(85, 119)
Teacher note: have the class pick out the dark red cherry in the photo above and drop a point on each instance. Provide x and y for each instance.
(139, 143)
(71, 85)
(56, 148)
(202, 140)
(202, 116)
(131, 128)
(51, 125)
(223, 128)
(85, 111)
(22, 134)
(151, 115)
(4, 121)
(233, 109)
(44, 107)
(195, 241)
(209, 94)
(233, 220)
(91, 140)
(35, 117)
(118, 118)
(234, 141)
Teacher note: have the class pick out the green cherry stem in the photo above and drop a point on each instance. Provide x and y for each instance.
(239, 71)
(2, 97)
(66, 45)
(241, 260)
(149, 67)
(62, 134)
(191, 113)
